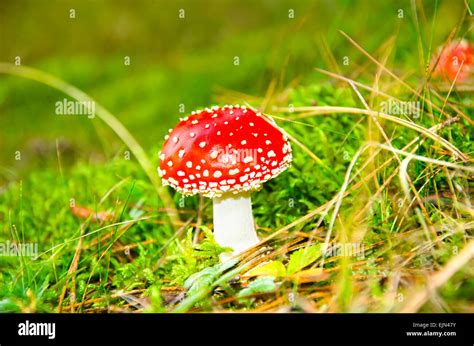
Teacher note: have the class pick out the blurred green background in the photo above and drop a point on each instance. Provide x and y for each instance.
(177, 61)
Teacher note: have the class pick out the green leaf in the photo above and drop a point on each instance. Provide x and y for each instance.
(206, 277)
(273, 268)
(261, 285)
(303, 257)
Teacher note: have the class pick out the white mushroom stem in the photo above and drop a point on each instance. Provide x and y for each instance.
(233, 223)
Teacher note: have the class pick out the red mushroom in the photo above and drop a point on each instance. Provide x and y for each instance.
(224, 153)
(456, 57)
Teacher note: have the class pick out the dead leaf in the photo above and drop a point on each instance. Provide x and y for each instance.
(309, 275)
(86, 213)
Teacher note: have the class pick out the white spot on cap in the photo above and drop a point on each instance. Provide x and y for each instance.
(243, 178)
(194, 122)
(173, 181)
(243, 142)
(170, 163)
(175, 139)
(248, 159)
(192, 134)
(251, 124)
(181, 153)
(162, 156)
(189, 164)
(233, 171)
(214, 154)
(271, 153)
(202, 144)
(268, 142)
(205, 173)
(207, 126)
(181, 174)
(217, 174)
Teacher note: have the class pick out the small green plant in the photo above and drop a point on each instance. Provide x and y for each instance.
(191, 258)
(299, 260)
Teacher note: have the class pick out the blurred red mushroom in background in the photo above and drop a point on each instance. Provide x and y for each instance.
(455, 57)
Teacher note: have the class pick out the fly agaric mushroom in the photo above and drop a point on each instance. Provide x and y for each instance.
(224, 153)
(455, 59)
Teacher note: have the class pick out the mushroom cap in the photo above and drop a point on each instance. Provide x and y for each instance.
(451, 57)
(223, 149)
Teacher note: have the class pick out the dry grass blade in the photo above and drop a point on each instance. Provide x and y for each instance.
(107, 117)
(393, 75)
(93, 232)
(360, 85)
(71, 272)
(310, 111)
(340, 196)
(425, 159)
(417, 299)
